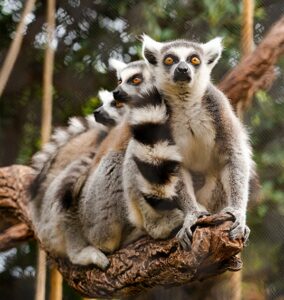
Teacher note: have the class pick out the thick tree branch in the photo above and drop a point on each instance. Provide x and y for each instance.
(14, 235)
(255, 71)
(141, 265)
(148, 263)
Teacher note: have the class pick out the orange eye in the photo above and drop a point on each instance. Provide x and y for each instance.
(118, 104)
(195, 60)
(168, 60)
(136, 80)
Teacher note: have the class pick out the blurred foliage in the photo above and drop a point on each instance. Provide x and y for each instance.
(88, 33)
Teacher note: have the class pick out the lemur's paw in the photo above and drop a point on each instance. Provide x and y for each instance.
(100, 260)
(239, 229)
(90, 255)
(184, 236)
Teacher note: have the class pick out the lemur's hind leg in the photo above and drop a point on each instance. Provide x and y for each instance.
(56, 204)
(102, 207)
(62, 189)
(78, 249)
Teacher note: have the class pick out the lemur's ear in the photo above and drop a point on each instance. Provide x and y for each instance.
(105, 96)
(150, 49)
(213, 50)
(116, 64)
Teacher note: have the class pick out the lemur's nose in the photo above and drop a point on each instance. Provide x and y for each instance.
(182, 67)
(116, 94)
(97, 111)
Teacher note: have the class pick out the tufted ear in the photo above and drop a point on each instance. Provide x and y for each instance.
(105, 96)
(150, 49)
(116, 65)
(213, 50)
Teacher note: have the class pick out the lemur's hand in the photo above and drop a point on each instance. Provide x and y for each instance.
(185, 234)
(239, 228)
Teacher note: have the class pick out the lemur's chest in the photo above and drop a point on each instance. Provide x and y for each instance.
(194, 133)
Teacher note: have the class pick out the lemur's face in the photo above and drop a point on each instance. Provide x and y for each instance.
(181, 64)
(133, 78)
(110, 112)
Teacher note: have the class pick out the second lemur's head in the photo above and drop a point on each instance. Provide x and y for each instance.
(133, 78)
(181, 65)
(111, 112)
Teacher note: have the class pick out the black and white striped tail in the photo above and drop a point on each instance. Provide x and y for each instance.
(154, 150)
(42, 160)
(60, 137)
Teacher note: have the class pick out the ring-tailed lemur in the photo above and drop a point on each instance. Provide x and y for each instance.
(110, 113)
(211, 139)
(61, 168)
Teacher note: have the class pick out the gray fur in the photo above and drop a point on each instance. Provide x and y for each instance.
(59, 230)
(104, 230)
(62, 168)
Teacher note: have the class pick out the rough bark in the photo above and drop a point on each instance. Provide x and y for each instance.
(141, 265)
(14, 235)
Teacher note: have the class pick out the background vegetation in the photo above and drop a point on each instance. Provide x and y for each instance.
(88, 32)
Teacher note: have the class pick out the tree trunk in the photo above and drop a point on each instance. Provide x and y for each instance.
(15, 47)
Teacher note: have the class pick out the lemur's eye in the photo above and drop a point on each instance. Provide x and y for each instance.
(118, 104)
(195, 60)
(168, 60)
(136, 80)
(119, 81)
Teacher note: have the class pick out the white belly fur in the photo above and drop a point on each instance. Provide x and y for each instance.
(196, 141)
